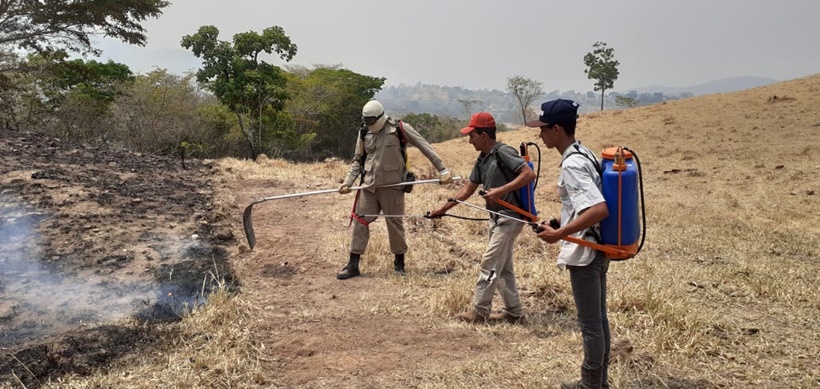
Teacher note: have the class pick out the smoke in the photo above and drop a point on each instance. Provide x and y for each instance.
(37, 299)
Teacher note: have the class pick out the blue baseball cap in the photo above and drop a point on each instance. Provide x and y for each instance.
(556, 111)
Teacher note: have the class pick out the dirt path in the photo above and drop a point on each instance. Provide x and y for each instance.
(322, 332)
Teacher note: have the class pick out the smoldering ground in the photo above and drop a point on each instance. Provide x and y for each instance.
(39, 299)
(92, 241)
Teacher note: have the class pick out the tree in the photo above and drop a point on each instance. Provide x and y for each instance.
(237, 76)
(624, 101)
(9, 89)
(99, 81)
(325, 108)
(602, 67)
(525, 91)
(435, 128)
(469, 105)
(70, 99)
(67, 25)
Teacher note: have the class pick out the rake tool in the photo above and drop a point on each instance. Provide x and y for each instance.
(246, 216)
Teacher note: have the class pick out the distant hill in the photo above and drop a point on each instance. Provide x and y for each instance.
(455, 101)
(724, 85)
(458, 102)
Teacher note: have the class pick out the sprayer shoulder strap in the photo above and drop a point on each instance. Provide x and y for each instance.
(402, 139)
(504, 169)
(595, 162)
(592, 232)
(362, 133)
(400, 133)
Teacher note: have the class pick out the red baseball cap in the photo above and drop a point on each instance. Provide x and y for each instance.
(479, 120)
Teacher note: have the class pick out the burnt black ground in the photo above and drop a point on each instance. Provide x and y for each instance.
(89, 237)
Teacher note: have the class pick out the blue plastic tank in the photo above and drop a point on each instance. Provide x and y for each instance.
(626, 197)
(527, 194)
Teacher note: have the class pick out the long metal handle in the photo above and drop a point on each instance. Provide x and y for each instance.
(247, 223)
(396, 216)
(285, 196)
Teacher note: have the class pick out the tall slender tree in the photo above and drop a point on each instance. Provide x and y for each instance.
(601, 67)
(469, 105)
(525, 91)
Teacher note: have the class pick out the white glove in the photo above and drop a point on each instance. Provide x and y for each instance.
(444, 177)
(344, 189)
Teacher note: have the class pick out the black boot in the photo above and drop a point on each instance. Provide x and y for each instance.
(590, 378)
(398, 264)
(352, 268)
(571, 385)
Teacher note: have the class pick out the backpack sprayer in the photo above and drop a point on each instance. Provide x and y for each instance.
(620, 181)
(527, 192)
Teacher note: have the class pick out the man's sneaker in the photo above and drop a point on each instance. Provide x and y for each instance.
(571, 385)
(504, 316)
(471, 316)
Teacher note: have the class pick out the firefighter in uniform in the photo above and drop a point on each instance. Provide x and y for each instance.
(384, 164)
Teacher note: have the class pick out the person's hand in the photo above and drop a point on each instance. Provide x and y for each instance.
(444, 177)
(493, 194)
(435, 214)
(344, 189)
(548, 234)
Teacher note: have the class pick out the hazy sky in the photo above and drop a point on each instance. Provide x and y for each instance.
(477, 44)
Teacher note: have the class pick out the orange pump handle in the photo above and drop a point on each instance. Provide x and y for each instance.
(611, 251)
(522, 212)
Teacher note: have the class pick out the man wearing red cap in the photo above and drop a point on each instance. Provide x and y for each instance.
(501, 171)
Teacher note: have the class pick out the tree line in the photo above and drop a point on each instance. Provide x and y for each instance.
(235, 104)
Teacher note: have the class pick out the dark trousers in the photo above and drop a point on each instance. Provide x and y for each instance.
(589, 292)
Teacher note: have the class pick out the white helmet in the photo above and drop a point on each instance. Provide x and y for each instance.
(374, 109)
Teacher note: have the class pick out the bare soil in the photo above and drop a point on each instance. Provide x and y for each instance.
(354, 344)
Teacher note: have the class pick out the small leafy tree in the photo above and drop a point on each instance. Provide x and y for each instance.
(435, 128)
(602, 67)
(624, 101)
(234, 72)
(525, 91)
(70, 99)
(99, 82)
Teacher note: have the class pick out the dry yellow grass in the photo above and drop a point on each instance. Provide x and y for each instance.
(724, 293)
